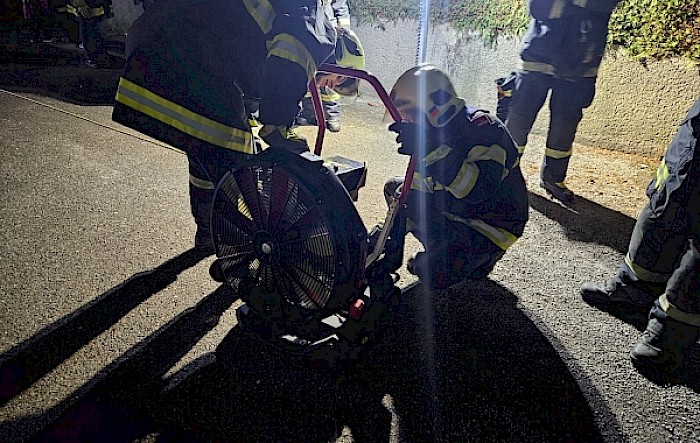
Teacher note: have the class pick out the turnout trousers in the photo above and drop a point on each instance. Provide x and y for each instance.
(568, 99)
(665, 240)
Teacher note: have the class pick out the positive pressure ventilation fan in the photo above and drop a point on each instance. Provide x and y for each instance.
(281, 222)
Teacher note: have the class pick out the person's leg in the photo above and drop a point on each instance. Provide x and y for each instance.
(307, 115)
(453, 254)
(94, 43)
(331, 108)
(206, 168)
(568, 100)
(674, 321)
(660, 236)
(528, 97)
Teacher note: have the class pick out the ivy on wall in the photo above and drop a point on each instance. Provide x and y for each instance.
(644, 29)
(657, 29)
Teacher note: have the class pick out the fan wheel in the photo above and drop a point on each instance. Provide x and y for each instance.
(270, 230)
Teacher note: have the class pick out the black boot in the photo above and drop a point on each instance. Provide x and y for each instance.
(621, 291)
(663, 344)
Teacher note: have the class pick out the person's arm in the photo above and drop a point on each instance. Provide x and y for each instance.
(300, 40)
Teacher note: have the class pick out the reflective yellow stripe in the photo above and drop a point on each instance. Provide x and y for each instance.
(661, 174)
(420, 184)
(289, 48)
(553, 153)
(499, 236)
(545, 68)
(81, 11)
(198, 126)
(262, 12)
(676, 314)
(330, 97)
(488, 153)
(437, 154)
(521, 150)
(557, 8)
(201, 183)
(644, 274)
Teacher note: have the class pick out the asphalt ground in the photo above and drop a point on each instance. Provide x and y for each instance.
(112, 329)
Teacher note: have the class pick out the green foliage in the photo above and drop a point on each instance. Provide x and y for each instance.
(657, 29)
(488, 18)
(644, 29)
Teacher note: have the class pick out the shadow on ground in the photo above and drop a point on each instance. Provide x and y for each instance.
(587, 221)
(464, 366)
(58, 71)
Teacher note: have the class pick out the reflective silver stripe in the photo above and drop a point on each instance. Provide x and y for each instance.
(465, 180)
(289, 48)
(645, 274)
(499, 236)
(553, 153)
(201, 183)
(262, 12)
(536, 67)
(557, 9)
(676, 314)
(581, 3)
(196, 125)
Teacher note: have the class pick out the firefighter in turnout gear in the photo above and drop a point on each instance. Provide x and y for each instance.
(339, 15)
(661, 271)
(90, 15)
(191, 66)
(468, 201)
(561, 52)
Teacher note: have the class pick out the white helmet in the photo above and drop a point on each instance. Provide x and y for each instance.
(425, 89)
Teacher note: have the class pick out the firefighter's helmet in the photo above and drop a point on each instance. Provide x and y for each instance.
(349, 53)
(426, 89)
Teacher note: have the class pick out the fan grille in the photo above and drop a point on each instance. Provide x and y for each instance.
(268, 229)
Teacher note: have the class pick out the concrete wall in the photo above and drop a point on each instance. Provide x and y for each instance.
(636, 109)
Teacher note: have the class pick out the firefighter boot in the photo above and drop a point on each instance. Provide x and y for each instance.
(663, 344)
(430, 273)
(200, 202)
(558, 191)
(333, 125)
(622, 290)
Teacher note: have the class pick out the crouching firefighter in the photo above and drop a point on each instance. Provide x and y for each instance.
(191, 66)
(468, 201)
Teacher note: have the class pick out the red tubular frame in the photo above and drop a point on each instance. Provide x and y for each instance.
(396, 205)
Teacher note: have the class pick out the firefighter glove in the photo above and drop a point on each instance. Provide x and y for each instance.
(407, 137)
(284, 137)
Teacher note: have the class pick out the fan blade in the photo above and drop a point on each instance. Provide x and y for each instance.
(248, 182)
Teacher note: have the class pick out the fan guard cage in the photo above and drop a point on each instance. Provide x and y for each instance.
(270, 230)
